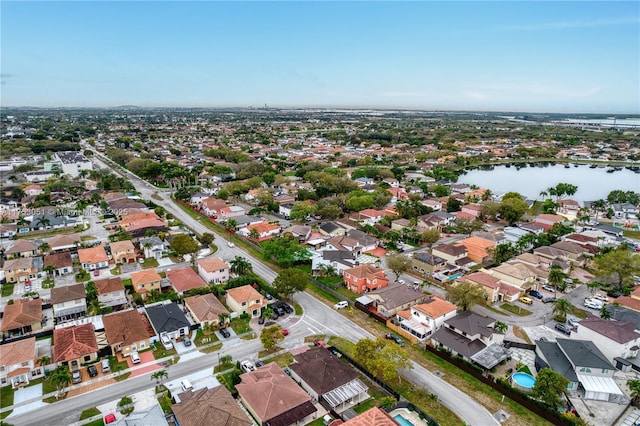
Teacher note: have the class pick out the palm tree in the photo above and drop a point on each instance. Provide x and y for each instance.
(231, 224)
(223, 319)
(240, 266)
(60, 377)
(598, 206)
(556, 277)
(561, 307)
(43, 221)
(159, 375)
(44, 360)
(94, 307)
(500, 326)
(254, 234)
(44, 247)
(634, 387)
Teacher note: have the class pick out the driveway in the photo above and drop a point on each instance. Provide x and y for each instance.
(26, 394)
(187, 352)
(146, 365)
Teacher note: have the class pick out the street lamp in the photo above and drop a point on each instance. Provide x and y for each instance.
(218, 361)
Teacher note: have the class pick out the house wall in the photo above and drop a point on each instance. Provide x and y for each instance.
(218, 276)
(425, 269)
(93, 266)
(142, 288)
(126, 350)
(237, 306)
(18, 275)
(35, 372)
(69, 308)
(608, 347)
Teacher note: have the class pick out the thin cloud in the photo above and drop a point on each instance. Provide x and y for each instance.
(563, 25)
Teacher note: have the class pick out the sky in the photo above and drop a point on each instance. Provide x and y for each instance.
(542, 56)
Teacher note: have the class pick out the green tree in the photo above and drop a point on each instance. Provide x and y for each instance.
(453, 205)
(183, 244)
(159, 375)
(618, 266)
(604, 313)
(556, 277)
(290, 281)
(270, 337)
(549, 387)
(562, 307)
(512, 209)
(285, 251)
(465, 295)
(634, 388)
(501, 327)
(398, 263)
(382, 358)
(468, 226)
(207, 238)
(430, 237)
(301, 210)
(60, 378)
(240, 266)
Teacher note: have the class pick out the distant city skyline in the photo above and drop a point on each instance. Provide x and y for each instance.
(573, 56)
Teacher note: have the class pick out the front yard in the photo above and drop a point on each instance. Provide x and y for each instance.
(241, 325)
(515, 309)
(7, 289)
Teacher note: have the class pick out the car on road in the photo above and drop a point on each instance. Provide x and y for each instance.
(225, 333)
(564, 328)
(400, 281)
(186, 341)
(247, 366)
(601, 297)
(548, 299)
(76, 377)
(230, 244)
(397, 339)
(550, 288)
(135, 357)
(284, 332)
(92, 370)
(166, 341)
(341, 304)
(536, 294)
(526, 300)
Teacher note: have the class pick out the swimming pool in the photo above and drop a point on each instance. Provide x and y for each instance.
(523, 381)
(453, 277)
(401, 420)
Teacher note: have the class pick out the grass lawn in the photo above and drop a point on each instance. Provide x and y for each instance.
(116, 271)
(580, 313)
(48, 283)
(165, 402)
(87, 238)
(89, 412)
(283, 360)
(498, 311)
(203, 337)
(161, 352)
(241, 325)
(82, 276)
(331, 281)
(6, 396)
(127, 282)
(7, 289)
(516, 310)
(298, 309)
(525, 369)
(631, 234)
(122, 376)
(98, 422)
(149, 262)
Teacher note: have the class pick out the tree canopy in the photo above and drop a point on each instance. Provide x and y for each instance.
(382, 358)
(465, 295)
(398, 263)
(618, 266)
(285, 251)
(183, 244)
(290, 281)
(550, 387)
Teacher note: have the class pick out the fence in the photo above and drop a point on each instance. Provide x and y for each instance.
(509, 344)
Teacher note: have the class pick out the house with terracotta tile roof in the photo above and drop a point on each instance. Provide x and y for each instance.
(215, 406)
(364, 278)
(64, 242)
(111, 292)
(18, 363)
(328, 380)
(62, 263)
(22, 317)
(273, 398)
(127, 331)
(93, 258)
(374, 416)
(213, 270)
(264, 231)
(145, 281)
(517, 275)
(123, 251)
(21, 269)
(69, 302)
(478, 249)
(184, 279)
(22, 248)
(211, 206)
(546, 221)
(616, 339)
(75, 345)
(423, 319)
(206, 310)
(245, 300)
(488, 283)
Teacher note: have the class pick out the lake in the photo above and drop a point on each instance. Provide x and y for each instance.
(529, 181)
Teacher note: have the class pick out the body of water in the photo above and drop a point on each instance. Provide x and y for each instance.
(593, 183)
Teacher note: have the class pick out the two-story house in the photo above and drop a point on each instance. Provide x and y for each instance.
(582, 364)
(517, 275)
(93, 258)
(22, 317)
(423, 319)
(59, 263)
(616, 339)
(123, 251)
(364, 278)
(111, 292)
(473, 337)
(213, 270)
(127, 331)
(206, 310)
(245, 300)
(426, 264)
(75, 345)
(478, 249)
(229, 212)
(18, 363)
(168, 319)
(20, 270)
(22, 248)
(387, 301)
(145, 281)
(69, 302)
(153, 247)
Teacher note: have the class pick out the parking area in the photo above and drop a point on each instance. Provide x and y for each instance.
(26, 394)
(147, 363)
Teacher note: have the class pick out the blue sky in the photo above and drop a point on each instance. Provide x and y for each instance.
(519, 56)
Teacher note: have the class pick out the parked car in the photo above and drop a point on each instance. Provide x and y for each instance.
(261, 320)
(548, 299)
(76, 377)
(614, 294)
(269, 323)
(526, 300)
(341, 304)
(279, 310)
(105, 366)
(288, 309)
(318, 342)
(135, 357)
(573, 321)
(166, 341)
(274, 315)
(268, 296)
(259, 363)
(96, 273)
(549, 288)
(395, 338)
(593, 303)
(109, 418)
(92, 370)
(27, 286)
(247, 366)
(284, 332)
(186, 341)
(601, 297)
(564, 328)
(225, 333)
(536, 294)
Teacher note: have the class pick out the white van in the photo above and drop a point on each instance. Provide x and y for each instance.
(186, 385)
(593, 303)
(341, 304)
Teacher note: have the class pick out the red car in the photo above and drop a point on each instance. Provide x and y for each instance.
(109, 418)
(96, 273)
(284, 332)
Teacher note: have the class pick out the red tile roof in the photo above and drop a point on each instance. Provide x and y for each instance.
(21, 313)
(184, 279)
(18, 352)
(71, 343)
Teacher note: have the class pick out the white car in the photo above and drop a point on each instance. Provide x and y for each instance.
(247, 366)
(549, 288)
(166, 341)
(230, 244)
(135, 358)
(341, 304)
(601, 297)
